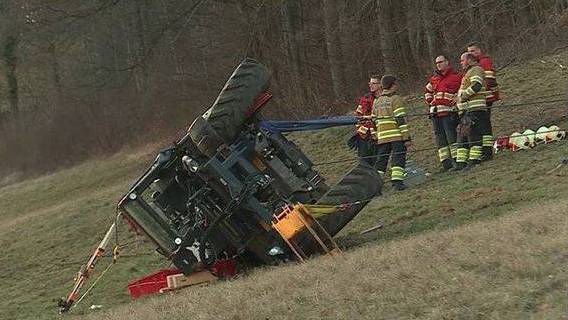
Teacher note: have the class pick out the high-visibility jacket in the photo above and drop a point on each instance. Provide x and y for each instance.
(490, 78)
(390, 118)
(441, 90)
(366, 127)
(468, 99)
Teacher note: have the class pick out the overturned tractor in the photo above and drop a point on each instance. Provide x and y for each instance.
(231, 188)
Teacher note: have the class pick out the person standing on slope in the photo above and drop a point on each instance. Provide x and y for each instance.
(440, 93)
(492, 96)
(366, 135)
(392, 131)
(472, 109)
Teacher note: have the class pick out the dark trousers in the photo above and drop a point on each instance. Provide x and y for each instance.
(487, 134)
(470, 146)
(398, 150)
(367, 151)
(445, 131)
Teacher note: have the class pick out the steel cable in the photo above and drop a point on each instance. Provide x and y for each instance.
(405, 152)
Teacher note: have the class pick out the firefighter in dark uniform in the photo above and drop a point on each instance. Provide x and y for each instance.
(492, 96)
(392, 131)
(440, 93)
(472, 111)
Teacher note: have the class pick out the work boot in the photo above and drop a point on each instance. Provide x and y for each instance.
(446, 165)
(398, 185)
(487, 154)
(459, 166)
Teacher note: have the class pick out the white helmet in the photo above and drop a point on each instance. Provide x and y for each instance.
(555, 134)
(540, 136)
(530, 135)
(518, 142)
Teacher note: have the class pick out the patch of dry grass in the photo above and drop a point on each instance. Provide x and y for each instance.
(512, 267)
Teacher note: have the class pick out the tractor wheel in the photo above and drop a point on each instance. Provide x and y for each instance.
(353, 192)
(223, 122)
(229, 111)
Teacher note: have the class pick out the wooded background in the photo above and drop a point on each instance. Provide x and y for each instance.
(84, 78)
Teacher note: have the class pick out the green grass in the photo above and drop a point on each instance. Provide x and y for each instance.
(50, 225)
(511, 181)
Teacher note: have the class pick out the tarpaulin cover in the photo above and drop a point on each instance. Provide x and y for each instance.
(305, 125)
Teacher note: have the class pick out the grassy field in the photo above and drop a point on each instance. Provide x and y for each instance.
(50, 225)
(487, 244)
(511, 267)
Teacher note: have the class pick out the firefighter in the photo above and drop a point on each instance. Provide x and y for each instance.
(473, 114)
(492, 96)
(366, 136)
(392, 131)
(440, 95)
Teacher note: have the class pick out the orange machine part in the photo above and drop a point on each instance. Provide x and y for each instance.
(289, 223)
(296, 220)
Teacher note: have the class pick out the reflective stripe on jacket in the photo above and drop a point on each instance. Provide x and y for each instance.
(365, 127)
(390, 118)
(490, 77)
(469, 99)
(441, 91)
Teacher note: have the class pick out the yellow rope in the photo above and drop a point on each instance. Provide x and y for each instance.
(115, 255)
(318, 210)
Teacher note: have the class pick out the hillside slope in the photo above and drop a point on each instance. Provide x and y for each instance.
(49, 226)
(506, 268)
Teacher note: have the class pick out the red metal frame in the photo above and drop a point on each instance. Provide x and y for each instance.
(259, 102)
(151, 284)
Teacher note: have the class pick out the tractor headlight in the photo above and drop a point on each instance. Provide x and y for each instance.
(275, 251)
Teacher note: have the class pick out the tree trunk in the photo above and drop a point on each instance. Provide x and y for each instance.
(11, 61)
(414, 37)
(55, 69)
(429, 30)
(333, 45)
(387, 37)
(290, 18)
(141, 7)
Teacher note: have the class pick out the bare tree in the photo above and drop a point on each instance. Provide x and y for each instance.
(93, 76)
(333, 45)
(387, 28)
(292, 36)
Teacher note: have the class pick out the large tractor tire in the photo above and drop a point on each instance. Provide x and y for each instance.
(223, 122)
(353, 192)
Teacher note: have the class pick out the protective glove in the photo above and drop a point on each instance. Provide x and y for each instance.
(353, 142)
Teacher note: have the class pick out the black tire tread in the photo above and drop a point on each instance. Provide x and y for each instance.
(228, 113)
(361, 183)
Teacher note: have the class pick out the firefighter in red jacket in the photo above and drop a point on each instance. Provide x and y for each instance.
(366, 130)
(492, 96)
(440, 94)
